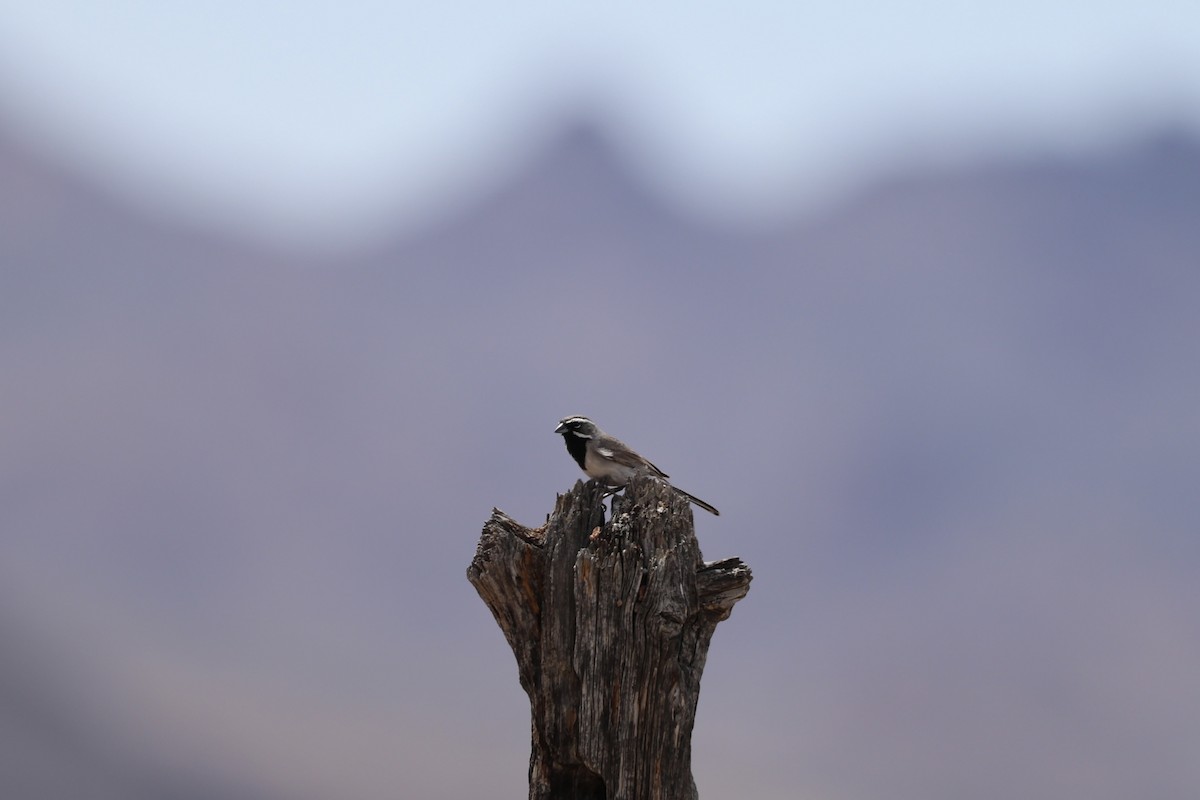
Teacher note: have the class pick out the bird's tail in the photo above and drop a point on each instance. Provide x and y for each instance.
(697, 501)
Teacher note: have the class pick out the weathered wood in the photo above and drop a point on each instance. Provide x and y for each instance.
(610, 624)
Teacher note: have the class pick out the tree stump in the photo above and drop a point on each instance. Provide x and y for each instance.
(610, 624)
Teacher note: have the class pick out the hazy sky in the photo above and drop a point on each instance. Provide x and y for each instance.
(308, 117)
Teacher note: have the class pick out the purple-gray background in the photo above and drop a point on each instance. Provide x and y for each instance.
(952, 423)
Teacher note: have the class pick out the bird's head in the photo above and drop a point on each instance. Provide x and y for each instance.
(581, 427)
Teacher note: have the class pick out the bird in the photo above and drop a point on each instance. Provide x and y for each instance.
(609, 460)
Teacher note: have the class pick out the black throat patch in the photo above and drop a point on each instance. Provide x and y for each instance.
(576, 446)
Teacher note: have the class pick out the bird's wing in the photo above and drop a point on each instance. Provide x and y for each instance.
(618, 452)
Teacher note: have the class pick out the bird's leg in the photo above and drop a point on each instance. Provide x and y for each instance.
(609, 493)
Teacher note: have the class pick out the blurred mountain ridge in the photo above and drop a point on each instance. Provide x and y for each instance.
(582, 171)
(238, 454)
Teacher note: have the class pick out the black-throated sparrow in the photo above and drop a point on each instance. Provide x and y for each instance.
(608, 459)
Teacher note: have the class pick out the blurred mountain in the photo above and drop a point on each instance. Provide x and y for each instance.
(53, 744)
(246, 475)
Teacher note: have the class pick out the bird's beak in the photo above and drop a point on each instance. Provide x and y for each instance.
(562, 426)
